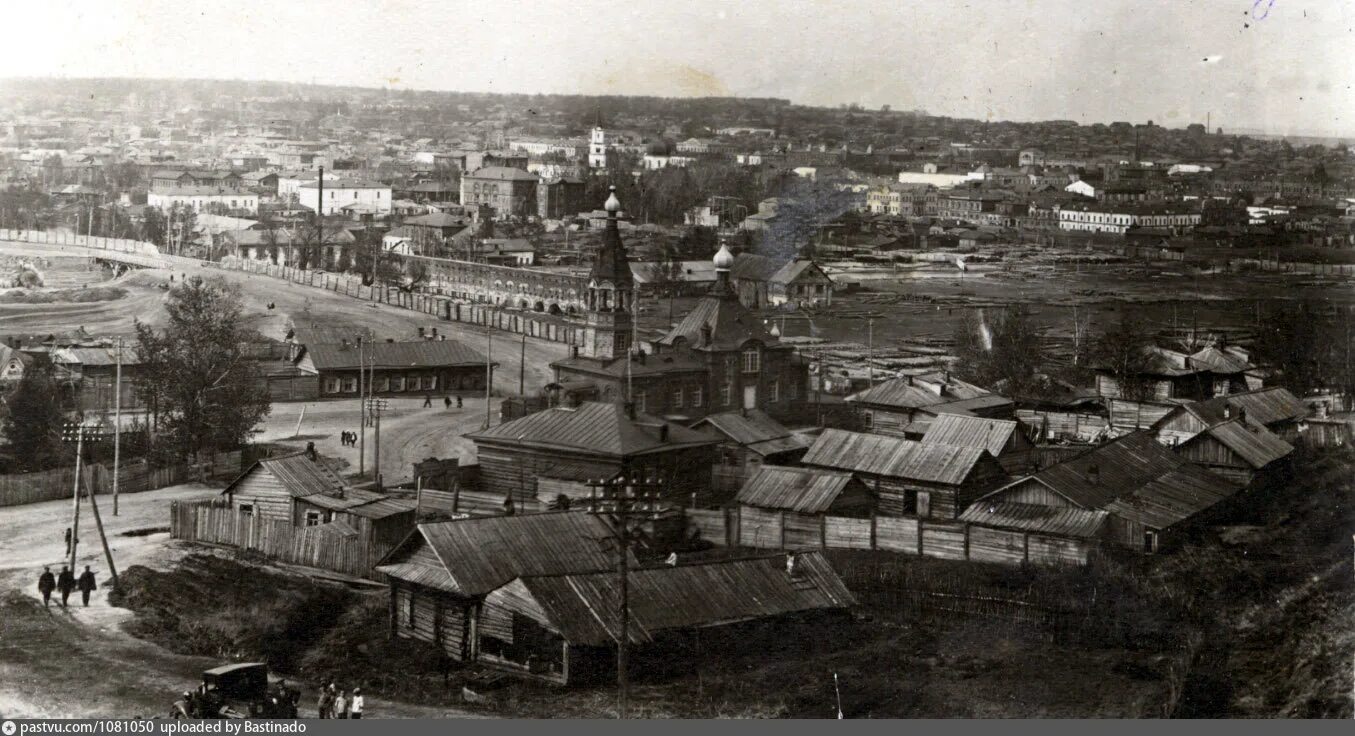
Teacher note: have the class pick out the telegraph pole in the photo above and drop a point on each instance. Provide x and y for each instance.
(79, 433)
(489, 372)
(376, 406)
(362, 416)
(624, 504)
(522, 367)
(117, 427)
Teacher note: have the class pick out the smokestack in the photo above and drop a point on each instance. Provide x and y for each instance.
(1227, 411)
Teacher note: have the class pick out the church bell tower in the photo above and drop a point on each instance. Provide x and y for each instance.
(611, 294)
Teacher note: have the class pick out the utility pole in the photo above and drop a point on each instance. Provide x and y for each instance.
(362, 415)
(522, 368)
(79, 433)
(117, 427)
(625, 504)
(489, 372)
(870, 351)
(376, 406)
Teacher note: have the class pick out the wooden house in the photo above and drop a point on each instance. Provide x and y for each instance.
(797, 498)
(557, 450)
(1151, 494)
(908, 478)
(1274, 408)
(563, 628)
(905, 407)
(1171, 374)
(411, 368)
(1004, 439)
(440, 574)
(1014, 533)
(749, 440)
(1244, 453)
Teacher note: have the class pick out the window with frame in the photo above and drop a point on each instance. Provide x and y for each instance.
(407, 604)
(383, 383)
(397, 383)
(350, 385)
(331, 385)
(774, 390)
(313, 518)
(752, 360)
(247, 509)
(727, 394)
(640, 401)
(697, 398)
(430, 382)
(677, 398)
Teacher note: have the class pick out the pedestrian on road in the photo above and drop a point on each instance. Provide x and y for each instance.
(427, 400)
(446, 402)
(343, 438)
(46, 584)
(355, 708)
(68, 540)
(326, 704)
(340, 705)
(65, 582)
(86, 585)
(458, 402)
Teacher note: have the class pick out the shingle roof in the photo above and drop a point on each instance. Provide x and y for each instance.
(892, 457)
(1132, 467)
(418, 353)
(967, 431)
(594, 427)
(806, 490)
(1064, 521)
(582, 607)
(479, 555)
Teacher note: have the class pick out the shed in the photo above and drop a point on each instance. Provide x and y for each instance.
(751, 439)
(909, 478)
(563, 628)
(272, 486)
(793, 502)
(1002, 438)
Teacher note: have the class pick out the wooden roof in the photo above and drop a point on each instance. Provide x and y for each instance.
(753, 429)
(806, 490)
(1256, 445)
(582, 607)
(1063, 521)
(594, 427)
(299, 474)
(1266, 405)
(967, 431)
(893, 457)
(409, 354)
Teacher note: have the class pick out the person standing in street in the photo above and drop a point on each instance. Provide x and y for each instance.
(340, 705)
(326, 704)
(68, 540)
(458, 402)
(46, 584)
(86, 585)
(355, 709)
(65, 583)
(446, 402)
(427, 401)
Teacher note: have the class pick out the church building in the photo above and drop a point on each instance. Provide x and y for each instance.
(719, 358)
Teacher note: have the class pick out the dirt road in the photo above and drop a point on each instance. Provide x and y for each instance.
(78, 662)
(293, 305)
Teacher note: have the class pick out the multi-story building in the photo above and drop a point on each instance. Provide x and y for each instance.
(1103, 217)
(600, 154)
(507, 192)
(560, 197)
(206, 199)
(373, 197)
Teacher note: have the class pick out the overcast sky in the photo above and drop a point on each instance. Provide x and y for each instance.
(1279, 65)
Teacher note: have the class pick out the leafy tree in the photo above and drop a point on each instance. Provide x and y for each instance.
(33, 423)
(206, 393)
(153, 226)
(1306, 346)
(1004, 351)
(1125, 350)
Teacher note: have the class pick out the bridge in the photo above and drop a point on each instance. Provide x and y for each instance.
(534, 289)
(118, 250)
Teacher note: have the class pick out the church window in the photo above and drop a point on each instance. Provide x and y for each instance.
(751, 361)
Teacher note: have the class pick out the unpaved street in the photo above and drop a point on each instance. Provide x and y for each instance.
(78, 662)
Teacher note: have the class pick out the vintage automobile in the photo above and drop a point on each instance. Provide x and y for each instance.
(238, 691)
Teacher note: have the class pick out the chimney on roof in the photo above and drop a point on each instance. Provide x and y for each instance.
(792, 564)
(640, 355)
(1227, 411)
(442, 338)
(1094, 474)
(705, 335)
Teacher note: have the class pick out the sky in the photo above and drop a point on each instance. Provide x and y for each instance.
(1282, 66)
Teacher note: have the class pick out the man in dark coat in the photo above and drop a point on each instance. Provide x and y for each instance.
(65, 583)
(46, 584)
(86, 585)
(446, 402)
(68, 540)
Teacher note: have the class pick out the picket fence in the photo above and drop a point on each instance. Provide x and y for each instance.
(951, 540)
(321, 547)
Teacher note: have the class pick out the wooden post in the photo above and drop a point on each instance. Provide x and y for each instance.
(108, 554)
(872, 530)
(75, 497)
(117, 429)
(782, 545)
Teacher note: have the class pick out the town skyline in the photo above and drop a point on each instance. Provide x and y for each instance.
(1233, 64)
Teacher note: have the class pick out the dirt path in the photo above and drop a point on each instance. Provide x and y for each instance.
(78, 662)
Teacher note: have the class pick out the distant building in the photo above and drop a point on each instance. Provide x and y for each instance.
(374, 197)
(205, 199)
(508, 192)
(762, 282)
(559, 198)
(397, 369)
(1118, 218)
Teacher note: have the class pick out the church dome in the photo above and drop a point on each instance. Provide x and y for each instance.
(724, 260)
(613, 204)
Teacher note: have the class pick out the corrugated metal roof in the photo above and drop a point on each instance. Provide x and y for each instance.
(807, 490)
(483, 554)
(927, 390)
(731, 324)
(383, 508)
(892, 457)
(1258, 446)
(583, 607)
(1133, 473)
(966, 431)
(413, 354)
(1266, 405)
(595, 427)
(1064, 521)
(95, 356)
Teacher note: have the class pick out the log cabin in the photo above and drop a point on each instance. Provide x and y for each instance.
(904, 407)
(909, 478)
(1004, 439)
(1274, 408)
(563, 628)
(749, 439)
(1152, 495)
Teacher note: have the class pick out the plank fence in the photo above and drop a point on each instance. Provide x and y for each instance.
(321, 547)
(135, 476)
(950, 540)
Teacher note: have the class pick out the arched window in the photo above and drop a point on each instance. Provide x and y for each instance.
(751, 360)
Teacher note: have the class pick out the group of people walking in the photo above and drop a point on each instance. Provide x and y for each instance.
(348, 439)
(335, 703)
(66, 583)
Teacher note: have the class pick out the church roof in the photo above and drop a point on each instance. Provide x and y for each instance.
(610, 264)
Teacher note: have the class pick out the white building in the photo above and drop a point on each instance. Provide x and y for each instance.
(1116, 219)
(1082, 188)
(654, 162)
(289, 183)
(202, 199)
(372, 196)
(597, 148)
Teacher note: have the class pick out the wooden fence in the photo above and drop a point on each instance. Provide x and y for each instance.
(135, 476)
(951, 540)
(320, 546)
